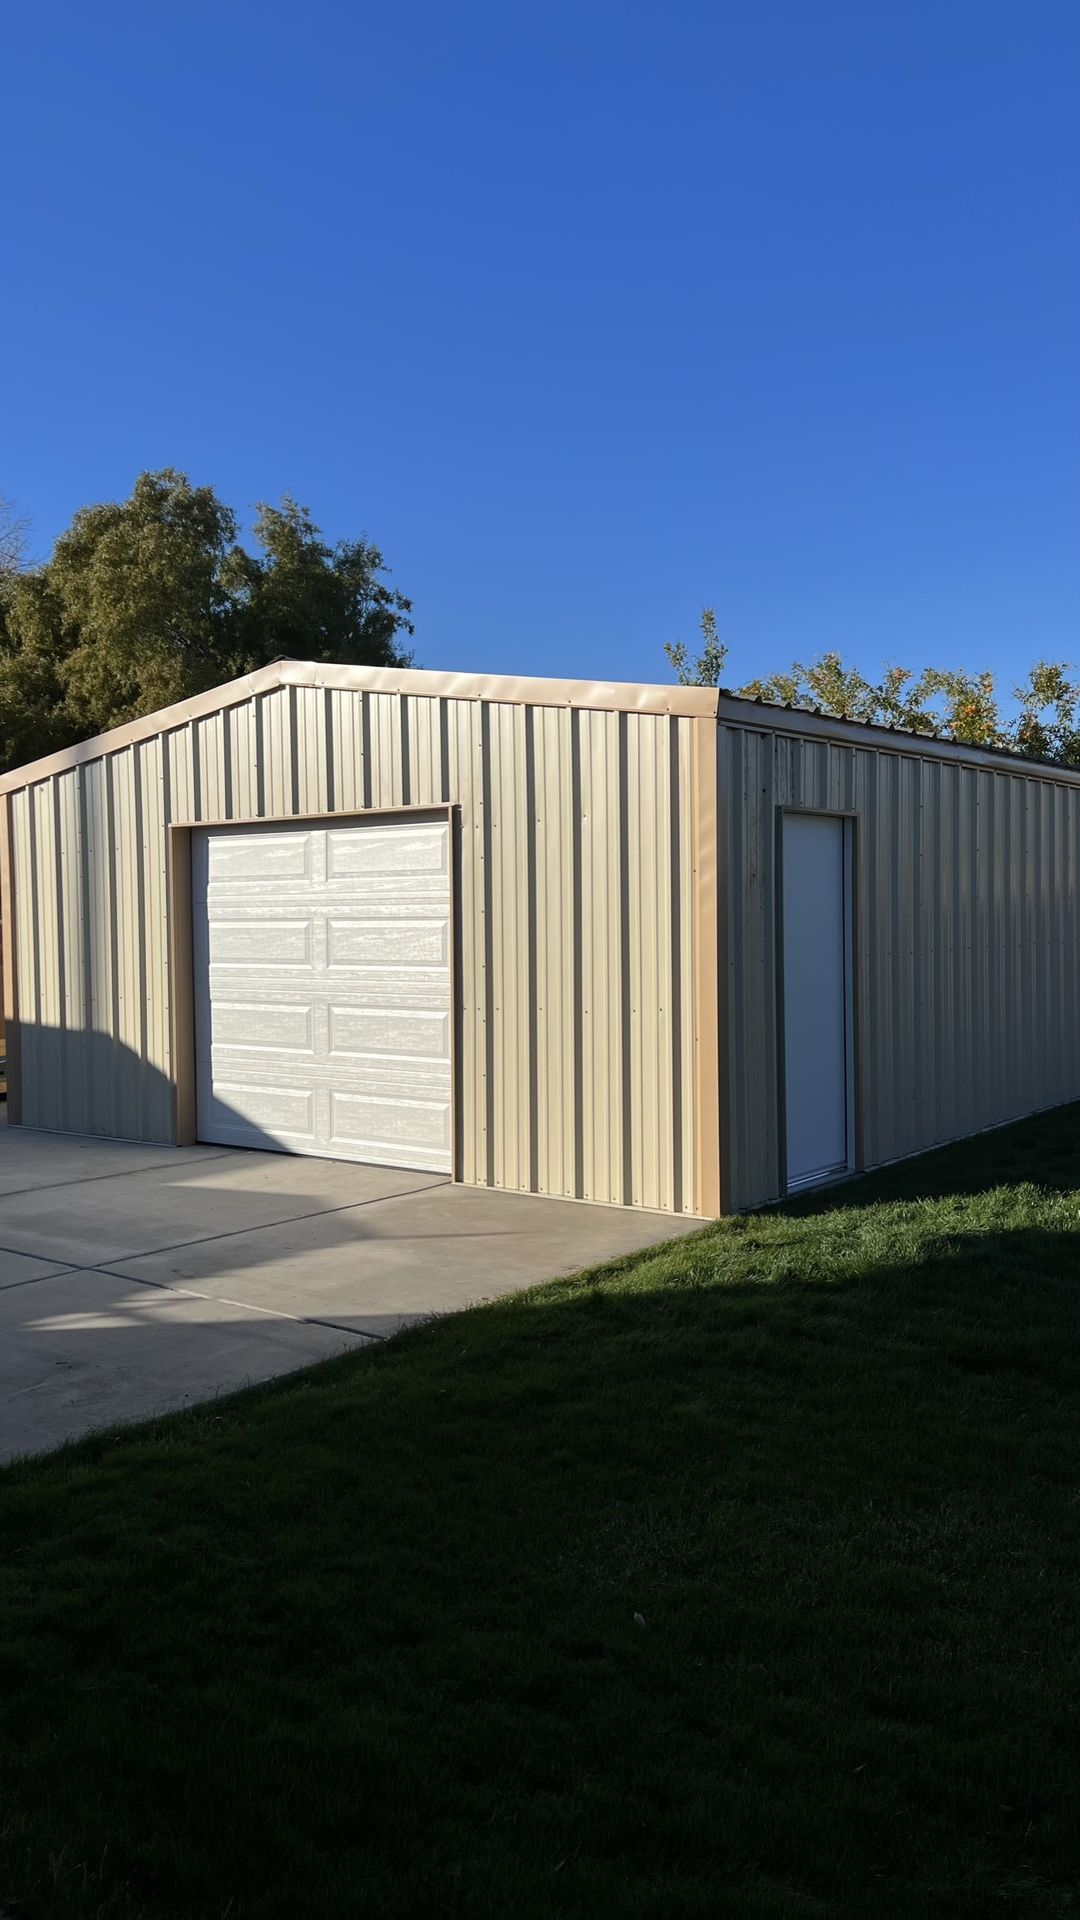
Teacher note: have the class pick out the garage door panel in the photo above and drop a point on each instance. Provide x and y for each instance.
(379, 989)
(381, 1076)
(323, 1007)
(315, 902)
(391, 889)
(261, 986)
(365, 1119)
(258, 1025)
(386, 852)
(262, 857)
(398, 1031)
(273, 1110)
(388, 943)
(266, 943)
(386, 988)
(381, 1079)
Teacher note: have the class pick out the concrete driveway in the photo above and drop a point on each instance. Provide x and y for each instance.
(138, 1279)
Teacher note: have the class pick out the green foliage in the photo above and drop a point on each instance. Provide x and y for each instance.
(904, 700)
(12, 538)
(935, 701)
(308, 601)
(968, 707)
(1047, 728)
(825, 683)
(706, 669)
(960, 706)
(33, 719)
(149, 600)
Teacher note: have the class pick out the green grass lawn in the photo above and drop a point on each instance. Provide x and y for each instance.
(739, 1578)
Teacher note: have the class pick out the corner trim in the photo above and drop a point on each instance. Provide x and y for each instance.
(708, 1196)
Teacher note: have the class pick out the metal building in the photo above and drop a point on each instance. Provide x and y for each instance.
(653, 946)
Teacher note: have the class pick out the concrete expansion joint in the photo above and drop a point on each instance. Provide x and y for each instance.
(272, 1226)
(121, 1173)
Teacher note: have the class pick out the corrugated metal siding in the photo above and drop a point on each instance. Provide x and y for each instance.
(967, 941)
(574, 934)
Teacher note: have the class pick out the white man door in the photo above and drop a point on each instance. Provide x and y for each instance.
(322, 989)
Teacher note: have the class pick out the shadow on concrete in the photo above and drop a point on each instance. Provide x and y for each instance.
(135, 1277)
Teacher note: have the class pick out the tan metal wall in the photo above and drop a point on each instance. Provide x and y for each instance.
(967, 938)
(576, 968)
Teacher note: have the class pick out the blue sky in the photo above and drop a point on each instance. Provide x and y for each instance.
(588, 314)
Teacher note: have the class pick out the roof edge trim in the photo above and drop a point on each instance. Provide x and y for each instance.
(611, 696)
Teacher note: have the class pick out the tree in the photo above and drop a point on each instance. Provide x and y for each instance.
(706, 669)
(33, 716)
(968, 708)
(936, 701)
(13, 531)
(1047, 728)
(958, 706)
(825, 683)
(145, 590)
(309, 601)
(146, 601)
(905, 700)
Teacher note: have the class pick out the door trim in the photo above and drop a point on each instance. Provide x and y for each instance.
(853, 1103)
(180, 907)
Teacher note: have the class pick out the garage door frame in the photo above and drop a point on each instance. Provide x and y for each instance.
(181, 946)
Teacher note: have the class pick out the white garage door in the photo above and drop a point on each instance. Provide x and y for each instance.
(322, 989)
